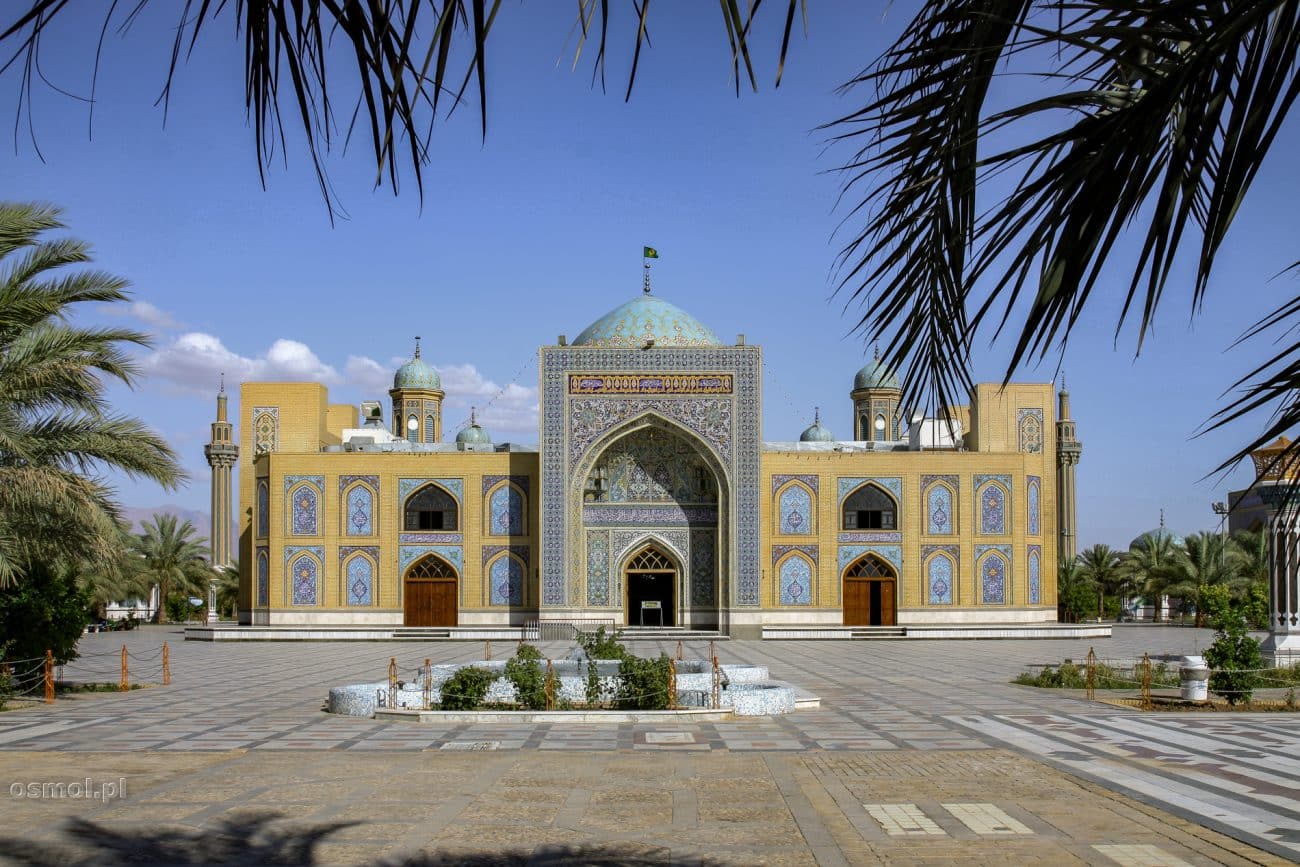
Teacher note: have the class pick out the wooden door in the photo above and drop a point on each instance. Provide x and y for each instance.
(429, 603)
(857, 602)
(886, 603)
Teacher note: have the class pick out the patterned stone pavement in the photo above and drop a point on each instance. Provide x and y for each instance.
(902, 702)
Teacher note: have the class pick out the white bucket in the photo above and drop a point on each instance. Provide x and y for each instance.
(1194, 679)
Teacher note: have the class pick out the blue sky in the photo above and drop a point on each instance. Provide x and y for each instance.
(537, 230)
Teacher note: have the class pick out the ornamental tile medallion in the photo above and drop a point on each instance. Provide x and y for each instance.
(1030, 426)
(795, 581)
(1035, 559)
(993, 565)
(506, 581)
(795, 508)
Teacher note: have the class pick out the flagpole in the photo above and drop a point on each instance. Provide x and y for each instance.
(645, 263)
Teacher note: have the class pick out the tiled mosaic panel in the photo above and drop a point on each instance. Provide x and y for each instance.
(795, 581)
(506, 512)
(263, 509)
(893, 484)
(938, 511)
(704, 569)
(266, 429)
(305, 505)
(598, 567)
(795, 507)
(993, 509)
(891, 553)
(1031, 430)
(408, 554)
(1035, 582)
(653, 466)
(506, 581)
(994, 573)
(939, 580)
(592, 417)
(305, 574)
(360, 578)
(360, 512)
(1031, 497)
(263, 577)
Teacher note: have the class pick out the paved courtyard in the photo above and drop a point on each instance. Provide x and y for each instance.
(921, 753)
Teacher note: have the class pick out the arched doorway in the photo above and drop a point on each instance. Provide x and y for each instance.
(429, 593)
(650, 582)
(870, 597)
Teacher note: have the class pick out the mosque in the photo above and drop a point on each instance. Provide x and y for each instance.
(651, 498)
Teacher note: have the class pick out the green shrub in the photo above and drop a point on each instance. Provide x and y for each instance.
(524, 671)
(6, 688)
(1232, 657)
(643, 683)
(45, 610)
(595, 690)
(465, 689)
(598, 645)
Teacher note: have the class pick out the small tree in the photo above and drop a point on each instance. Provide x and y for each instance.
(48, 609)
(1234, 657)
(1073, 592)
(173, 559)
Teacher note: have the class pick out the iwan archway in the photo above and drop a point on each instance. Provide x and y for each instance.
(870, 592)
(653, 526)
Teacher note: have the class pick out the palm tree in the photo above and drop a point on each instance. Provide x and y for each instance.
(1251, 547)
(57, 434)
(1100, 564)
(1203, 560)
(1146, 565)
(228, 587)
(173, 559)
(1072, 591)
(115, 578)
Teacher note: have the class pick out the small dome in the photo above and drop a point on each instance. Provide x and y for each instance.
(875, 375)
(644, 318)
(815, 433)
(474, 433)
(416, 374)
(1162, 530)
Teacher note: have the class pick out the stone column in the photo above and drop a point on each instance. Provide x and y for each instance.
(1282, 646)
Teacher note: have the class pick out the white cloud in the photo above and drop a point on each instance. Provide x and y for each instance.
(194, 361)
(373, 378)
(147, 313)
(511, 415)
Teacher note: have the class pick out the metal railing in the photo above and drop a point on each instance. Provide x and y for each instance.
(563, 630)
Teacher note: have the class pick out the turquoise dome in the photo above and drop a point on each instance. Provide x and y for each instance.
(416, 374)
(646, 317)
(473, 433)
(815, 433)
(1174, 538)
(875, 375)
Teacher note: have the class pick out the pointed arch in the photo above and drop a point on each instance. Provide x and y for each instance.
(507, 510)
(940, 510)
(304, 579)
(430, 589)
(870, 592)
(263, 577)
(506, 580)
(359, 580)
(796, 509)
(940, 576)
(993, 499)
(870, 565)
(263, 508)
(430, 507)
(1033, 499)
(652, 573)
(994, 578)
(869, 507)
(428, 428)
(1035, 568)
(357, 510)
(303, 505)
(796, 579)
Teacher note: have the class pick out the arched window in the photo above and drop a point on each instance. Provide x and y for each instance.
(882, 428)
(993, 509)
(303, 514)
(869, 566)
(939, 511)
(413, 428)
(993, 580)
(359, 579)
(795, 510)
(359, 512)
(864, 427)
(796, 579)
(870, 508)
(430, 508)
(506, 511)
(938, 576)
(305, 577)
(263, 578)
(650, 560)
(506, 581)
(431, 566)
(428, 428)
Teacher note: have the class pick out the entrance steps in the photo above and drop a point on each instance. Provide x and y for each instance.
(669, 633)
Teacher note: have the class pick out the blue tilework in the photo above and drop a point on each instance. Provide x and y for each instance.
(506, 581)
(796, 579)
(795, 507)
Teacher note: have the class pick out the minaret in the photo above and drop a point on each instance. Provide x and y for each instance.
(875, 397)
(221, 453)
(1068, 450)
(417, 401)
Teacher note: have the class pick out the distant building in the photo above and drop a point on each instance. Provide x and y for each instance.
(652, 497)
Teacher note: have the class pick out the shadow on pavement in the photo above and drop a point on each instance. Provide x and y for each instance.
(252, 839)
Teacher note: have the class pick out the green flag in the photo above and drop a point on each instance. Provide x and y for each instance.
(650, 253)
